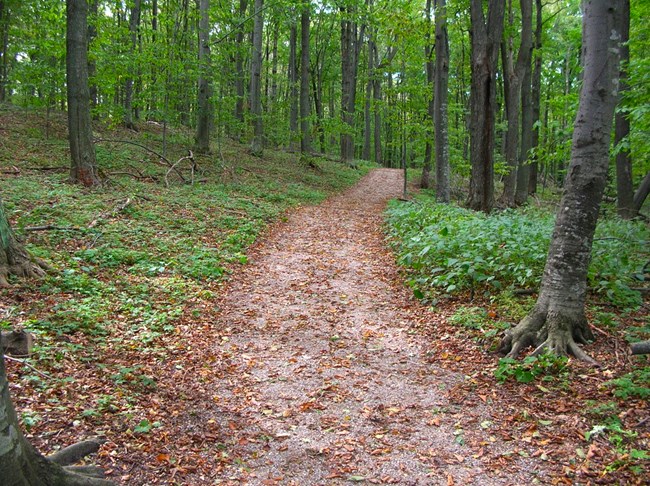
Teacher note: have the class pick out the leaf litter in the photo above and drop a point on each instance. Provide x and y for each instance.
(314, 364)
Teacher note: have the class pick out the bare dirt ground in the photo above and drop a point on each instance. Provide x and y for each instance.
(318, 374)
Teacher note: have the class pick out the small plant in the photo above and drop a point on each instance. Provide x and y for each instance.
(632, 385)
(547, 367)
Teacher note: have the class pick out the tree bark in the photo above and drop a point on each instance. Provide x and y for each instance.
(557, 323)
(84, 165)
(5, 15)
(305, 111)
(14, 259)
(641, 193)
(514, 76)
(624, 188)
(134, 25)
(351, 37)
(20, 463)
(239, 71)
(257, 145)
(429, 49)
(536, 91)
(441, 96)
(204, 119)
(293, 88)
(486, 38)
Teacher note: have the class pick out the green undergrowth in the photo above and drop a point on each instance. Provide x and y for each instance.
(130, 255)
(448, 249)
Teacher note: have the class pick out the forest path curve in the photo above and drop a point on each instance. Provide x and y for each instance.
(316, 375)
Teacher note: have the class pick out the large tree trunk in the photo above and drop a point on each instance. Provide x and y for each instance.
(486, 38)
(305, 112)
(82, 151)
(441, 96)
(624, 188)
(204, 120)
(641, 193)
(557, 322)
(257, 145)
(376, 106)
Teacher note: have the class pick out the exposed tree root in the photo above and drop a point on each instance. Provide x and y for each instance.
(18, 262)
(549, 331)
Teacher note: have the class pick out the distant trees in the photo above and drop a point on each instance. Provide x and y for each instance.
(353, 77)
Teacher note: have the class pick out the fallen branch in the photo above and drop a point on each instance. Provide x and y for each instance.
(640, 348)
(119, 208)
(22, 361)
(173, 168)
(50, 227)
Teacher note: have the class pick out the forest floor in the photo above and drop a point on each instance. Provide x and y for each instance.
(302, 360)
(316, 366)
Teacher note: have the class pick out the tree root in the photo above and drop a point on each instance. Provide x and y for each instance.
(549, 331)
(75, 452)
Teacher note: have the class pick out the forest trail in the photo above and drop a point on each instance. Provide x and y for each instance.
(317, 374)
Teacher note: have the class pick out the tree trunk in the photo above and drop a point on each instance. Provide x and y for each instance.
(239, 71)
(440, 99)
(367, 106)
(204, 120)
(92, 65)
(351, 37)
(82, 150)
(5, 15)
(557, 322)
(305, 112)
(624, 188)
(21, 464)
(525, 51)
(429, 47)
(486, 38)
(257, 145)
(14, 259)
(293, 88)
(536, 91)
(376, 106)
(134, 25)
(641, 193)
(514, 73)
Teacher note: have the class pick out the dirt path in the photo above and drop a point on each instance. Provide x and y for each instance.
(317, 376)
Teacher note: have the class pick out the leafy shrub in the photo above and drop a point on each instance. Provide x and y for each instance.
(448, 248)
(632, 385)
(546, 366)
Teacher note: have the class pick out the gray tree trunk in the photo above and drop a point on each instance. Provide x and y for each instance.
(14, 259)
(82, 151)
(429, 49)
(293, 88)
(557, 322)
(257, 145)
(441, 96)
(536, 93)
(239, 72)
(134, 25)
(20, 463)
(486, 38)
(514, 76)
(367, 105)
(641, 193)
(5, 15)
(204, 119)
(376, 106)
(351, 38)
(624, 187)
(305, 111)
